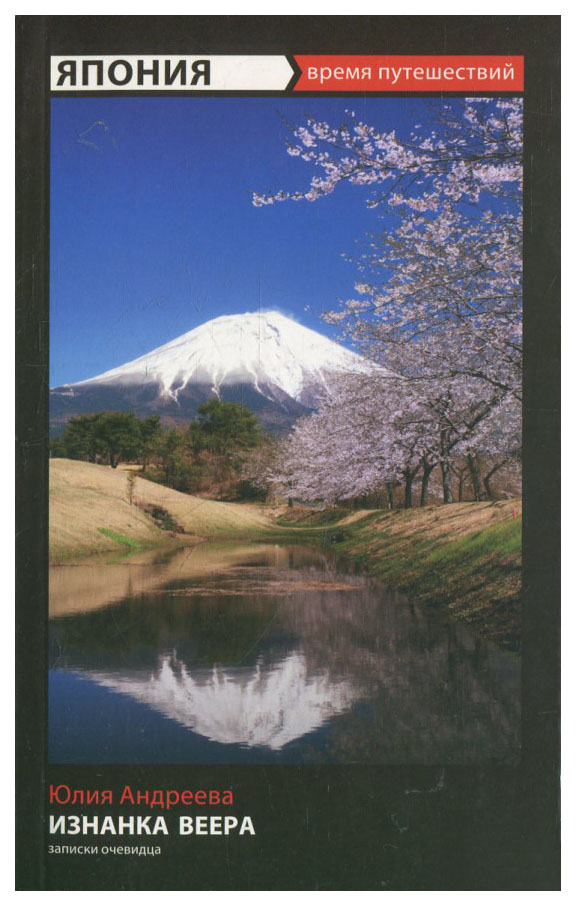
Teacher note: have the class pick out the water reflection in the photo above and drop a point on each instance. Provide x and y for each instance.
(267, 654)
(261, 706)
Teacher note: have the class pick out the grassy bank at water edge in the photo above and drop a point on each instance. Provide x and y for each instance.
(96, 509)
(462, 558)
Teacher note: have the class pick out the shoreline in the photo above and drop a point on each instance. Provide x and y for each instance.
(461, 560)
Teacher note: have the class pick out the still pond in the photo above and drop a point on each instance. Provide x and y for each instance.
(265, 654)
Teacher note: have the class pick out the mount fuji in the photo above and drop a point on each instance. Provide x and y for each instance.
(265, 360)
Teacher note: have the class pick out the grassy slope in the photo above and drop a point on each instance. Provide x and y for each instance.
(90, 512)
(464, 557)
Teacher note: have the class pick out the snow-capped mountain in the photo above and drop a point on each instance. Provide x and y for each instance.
(272, 364)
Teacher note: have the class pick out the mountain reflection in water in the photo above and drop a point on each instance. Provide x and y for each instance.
(265, 706)
(266, 654)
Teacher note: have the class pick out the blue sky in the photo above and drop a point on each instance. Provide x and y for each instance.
(152, 227)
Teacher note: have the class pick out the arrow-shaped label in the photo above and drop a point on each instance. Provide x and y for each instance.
(132, 72)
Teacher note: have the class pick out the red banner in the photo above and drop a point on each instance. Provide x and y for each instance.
(346, 73)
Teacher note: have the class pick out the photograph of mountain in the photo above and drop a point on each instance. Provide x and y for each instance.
(265, 360)
(285, 475)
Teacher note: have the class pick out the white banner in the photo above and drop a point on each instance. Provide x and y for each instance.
(170, 73)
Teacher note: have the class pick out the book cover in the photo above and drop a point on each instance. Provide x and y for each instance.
(288, 356)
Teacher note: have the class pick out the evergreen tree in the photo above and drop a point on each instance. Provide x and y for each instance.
(225, 428)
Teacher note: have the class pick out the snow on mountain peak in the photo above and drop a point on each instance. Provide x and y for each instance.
(265, 349)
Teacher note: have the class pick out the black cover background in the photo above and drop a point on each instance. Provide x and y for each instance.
(318, 828)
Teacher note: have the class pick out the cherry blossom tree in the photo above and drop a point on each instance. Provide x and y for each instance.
(338, 453)
(374, 431)
(473, 149)
(439, 299)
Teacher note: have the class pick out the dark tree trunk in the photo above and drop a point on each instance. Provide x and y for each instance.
(445, 466)
(407, 490)
(390, 494)
(446, 489)
(427, 471)
(408, 479)
(461, 476)
(486, 480)
(488, 489)
(475, 476)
